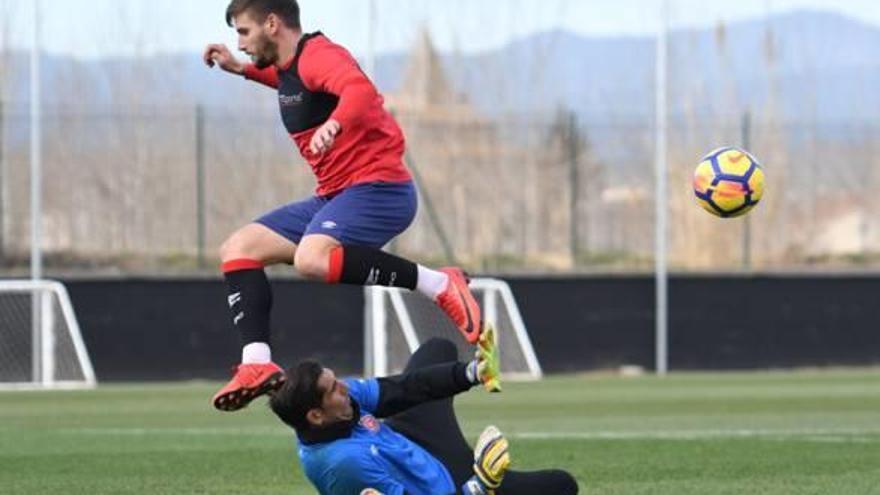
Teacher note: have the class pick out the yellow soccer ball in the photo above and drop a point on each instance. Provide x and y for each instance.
(728, 182)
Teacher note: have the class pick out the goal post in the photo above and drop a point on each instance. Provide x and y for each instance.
(397, 321)
(41, 345)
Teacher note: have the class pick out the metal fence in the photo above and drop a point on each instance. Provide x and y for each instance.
(534, 154)
(141, 189)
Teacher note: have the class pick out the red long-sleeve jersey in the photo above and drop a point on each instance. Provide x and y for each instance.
(323, 81)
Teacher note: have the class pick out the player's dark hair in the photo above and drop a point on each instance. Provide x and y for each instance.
(286, 10)
(298, 394)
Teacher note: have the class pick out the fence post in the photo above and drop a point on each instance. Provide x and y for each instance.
(2, 180)
(574, 188)
(745, 129)
(200, 185)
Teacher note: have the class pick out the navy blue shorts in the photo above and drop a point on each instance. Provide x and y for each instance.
(369, 214)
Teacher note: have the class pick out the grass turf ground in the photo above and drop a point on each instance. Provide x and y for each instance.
(734, 433)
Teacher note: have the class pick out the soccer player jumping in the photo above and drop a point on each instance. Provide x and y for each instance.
(364, 198)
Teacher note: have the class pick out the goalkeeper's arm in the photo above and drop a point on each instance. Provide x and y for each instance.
(491, 461)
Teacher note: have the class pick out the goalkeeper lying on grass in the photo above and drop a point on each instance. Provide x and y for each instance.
(419, 449)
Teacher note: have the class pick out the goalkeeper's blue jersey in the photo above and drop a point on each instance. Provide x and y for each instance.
(374, 456)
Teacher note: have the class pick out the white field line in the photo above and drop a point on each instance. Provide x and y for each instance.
(817, 434)
(805, 434)
(193, 431)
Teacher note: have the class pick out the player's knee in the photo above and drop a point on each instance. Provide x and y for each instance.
(311, 264)
(234, 247)
(245, 243)
(227, 249)
(442, 348)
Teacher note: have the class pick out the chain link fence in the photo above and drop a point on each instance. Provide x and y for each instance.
(149, 189)
(533, 157)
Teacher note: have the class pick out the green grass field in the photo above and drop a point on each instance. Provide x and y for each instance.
(744, 433)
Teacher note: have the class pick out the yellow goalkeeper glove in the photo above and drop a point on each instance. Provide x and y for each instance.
(488, 360)
(491, 460)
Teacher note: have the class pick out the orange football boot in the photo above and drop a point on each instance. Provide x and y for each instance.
(459, 304)
(249, 382)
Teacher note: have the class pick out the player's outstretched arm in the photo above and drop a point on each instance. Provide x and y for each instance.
(217, 53)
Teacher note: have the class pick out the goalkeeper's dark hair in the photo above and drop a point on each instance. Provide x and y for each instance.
(298, 394)
(259, 10)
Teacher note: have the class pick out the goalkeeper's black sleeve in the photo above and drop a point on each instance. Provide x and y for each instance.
(400, 392)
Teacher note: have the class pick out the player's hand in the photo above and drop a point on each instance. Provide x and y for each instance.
(323, 138)
(488, 360)
(216, 53)
(491, 460)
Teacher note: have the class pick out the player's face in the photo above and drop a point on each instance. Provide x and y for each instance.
(254, 40)
(336, 403)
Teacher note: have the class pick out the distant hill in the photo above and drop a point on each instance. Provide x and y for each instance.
(824, 66)
(821, 62)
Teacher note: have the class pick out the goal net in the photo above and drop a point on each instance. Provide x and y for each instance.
(397, 321)
(40, 342)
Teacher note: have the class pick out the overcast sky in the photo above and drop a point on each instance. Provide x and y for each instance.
(96, 28)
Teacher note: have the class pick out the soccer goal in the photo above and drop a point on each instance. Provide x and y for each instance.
(40, 342)
(397, 321)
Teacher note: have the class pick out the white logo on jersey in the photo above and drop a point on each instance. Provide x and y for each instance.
(238, 317)
(373, 277)
(291, 99)
(328, 224)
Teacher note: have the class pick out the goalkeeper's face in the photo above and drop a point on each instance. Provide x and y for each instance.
(335, 401)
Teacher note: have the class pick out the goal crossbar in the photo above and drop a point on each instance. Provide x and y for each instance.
(497, 295)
